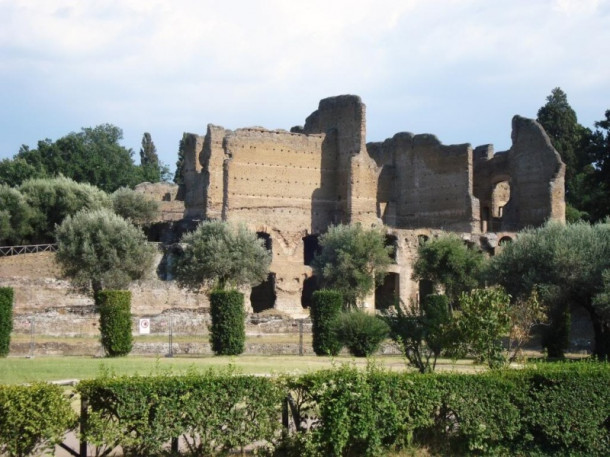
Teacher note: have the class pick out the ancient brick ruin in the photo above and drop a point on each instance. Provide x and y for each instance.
(290, 187)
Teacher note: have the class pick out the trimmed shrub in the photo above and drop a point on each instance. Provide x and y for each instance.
(326, 306)
(114, 307)
(361, 332)
(6, 319)
(33, 418)
(214, 412)
(227, 332)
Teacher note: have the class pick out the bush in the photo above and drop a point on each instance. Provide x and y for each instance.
(33, 418)
(227, 332)
(361, 332)
(213, 412)
(326, 305)
(114, 307)
(134, 206)
(6, 319)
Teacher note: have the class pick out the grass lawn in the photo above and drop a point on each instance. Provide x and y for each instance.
(14, 370)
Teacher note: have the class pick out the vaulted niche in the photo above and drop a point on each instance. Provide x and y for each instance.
(267, 242)
(386, 295)
(311, 247)
(310, 285)
(500, 196)
(263, 296)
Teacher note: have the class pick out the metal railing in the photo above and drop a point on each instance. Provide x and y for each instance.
(26, 249)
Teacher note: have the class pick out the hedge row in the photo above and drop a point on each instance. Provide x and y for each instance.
(552, 410)
(6, 319)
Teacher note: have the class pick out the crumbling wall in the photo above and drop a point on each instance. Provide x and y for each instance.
(195, 178)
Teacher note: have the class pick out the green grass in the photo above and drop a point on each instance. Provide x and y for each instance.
(14, 370)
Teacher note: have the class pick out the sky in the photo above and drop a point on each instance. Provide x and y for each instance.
(459, 69)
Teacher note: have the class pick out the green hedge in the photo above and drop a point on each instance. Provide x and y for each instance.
(228, 329)
(213, 412)
(33, 418)
(326, 306)
(114, 307)
(362, 333)
(6, 319)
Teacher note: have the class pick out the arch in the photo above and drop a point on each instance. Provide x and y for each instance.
(267, 241)
(263, 296)
(392, 242)
(311, 247)
(388, 292)
(505, 240)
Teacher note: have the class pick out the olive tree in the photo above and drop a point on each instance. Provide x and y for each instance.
(566, 265)
(222, 257)
(448, 262)
(101, 250)
(352, 260)
(134, 206)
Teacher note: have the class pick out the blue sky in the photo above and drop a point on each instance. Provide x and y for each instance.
(459, 69)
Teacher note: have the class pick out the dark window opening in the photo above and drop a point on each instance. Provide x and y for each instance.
(263, 296)
(310, 285)
(392, 242)
(425, 288)
(505, 240)
(311, 247)
(422, 239)
(387, 294)
(267, 242)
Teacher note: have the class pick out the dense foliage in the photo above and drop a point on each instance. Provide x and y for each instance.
(100, 250)
(214, 413)
(362, 333)
(352, 260)
(33, 418)
(6, 319)
(114, 307)
(326, 306)
(219, 255)
(227, 332)
(15, 217)
(134, 206)
(586, 154)
(51, 200)
(92, 156)
(423, 331)
(448, 262)
(566, 265)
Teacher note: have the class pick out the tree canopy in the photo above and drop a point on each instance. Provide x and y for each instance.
(566, 265)
(448, 262)
(93, 155)
(351, 260)
(220, 255)
(134, 206)
(100, 250)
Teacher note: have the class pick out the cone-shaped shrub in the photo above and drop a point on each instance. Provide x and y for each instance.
(114, 307)
(326, 305)
(227, 332)
(6, 319)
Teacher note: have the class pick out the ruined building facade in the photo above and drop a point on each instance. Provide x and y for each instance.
(290, 187)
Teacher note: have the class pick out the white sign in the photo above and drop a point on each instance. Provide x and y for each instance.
(144, 326)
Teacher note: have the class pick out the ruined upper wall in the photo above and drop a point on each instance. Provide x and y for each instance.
(424, 183)
(527, 180)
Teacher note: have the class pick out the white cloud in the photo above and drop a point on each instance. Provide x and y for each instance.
(453, 67)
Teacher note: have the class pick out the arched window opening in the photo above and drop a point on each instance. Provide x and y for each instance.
(310, 285)
(263, 296)
(267, 242)
(388, 293)
(392, 242)
(311, 247)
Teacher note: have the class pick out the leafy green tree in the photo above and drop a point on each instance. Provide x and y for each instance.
(566, 265)
(52, 199)
(100, 250)
(134, 206)
(15, 217)
(362, 333)
(179, 174)
(448, 262)
(219, 255)
(423, 331)
(15, 171)
(481, 322)
(351, 260)
(152, 170)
